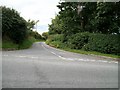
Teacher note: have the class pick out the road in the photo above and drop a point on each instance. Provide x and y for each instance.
(43, 66)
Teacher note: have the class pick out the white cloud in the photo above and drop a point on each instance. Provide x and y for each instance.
(42, 10)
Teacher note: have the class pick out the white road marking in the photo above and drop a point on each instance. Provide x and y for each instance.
(79, 59)
(21, 56)
(53, 48)
(68, 59)
(5, 55)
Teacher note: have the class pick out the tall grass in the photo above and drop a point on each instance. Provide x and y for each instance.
(9, 45)
(27, 43)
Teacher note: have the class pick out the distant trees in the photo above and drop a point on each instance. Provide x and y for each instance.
(30, 27)
(45, 35)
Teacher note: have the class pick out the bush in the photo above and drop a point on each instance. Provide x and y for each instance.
(9, 45)
(109, 44)
(27, 43)
(35, 34)
(56, 41)
(77, 41)
(13, 25)
(45, 35)
(104, 43)
(56, 37)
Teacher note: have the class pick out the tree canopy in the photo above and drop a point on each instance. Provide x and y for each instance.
(90, 26)
(94, 17)
(13, 25)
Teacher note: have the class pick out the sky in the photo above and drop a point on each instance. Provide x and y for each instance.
(42, 10)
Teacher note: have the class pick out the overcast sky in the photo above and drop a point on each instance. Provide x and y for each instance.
(42, 10)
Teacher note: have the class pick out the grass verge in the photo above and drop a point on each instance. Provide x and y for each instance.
(63, 47)
(27, 43)
(92, 53)
(9, 45)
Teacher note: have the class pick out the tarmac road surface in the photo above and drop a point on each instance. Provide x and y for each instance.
(43, 66)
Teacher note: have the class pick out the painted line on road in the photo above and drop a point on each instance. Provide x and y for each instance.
(26, 56)
(21, 56)
(79, 59)
(54, 53)
(5, 55)
(53, 48)
(67, 59)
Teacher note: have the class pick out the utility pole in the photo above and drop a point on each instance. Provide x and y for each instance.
(36, 24)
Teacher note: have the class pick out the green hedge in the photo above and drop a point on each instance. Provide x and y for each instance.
(56, 41)
(56, 37)
(77, 41)
(13, 25)
(103, 43)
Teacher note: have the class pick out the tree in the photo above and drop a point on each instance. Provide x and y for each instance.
(30, 24)
(0, 27)
(45, 35)
(13, 25)
(56, 26)
(69, 18)
(94, 17)
(108, 17)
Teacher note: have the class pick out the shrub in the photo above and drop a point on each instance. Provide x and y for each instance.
(77, 41)
(56, 37)
(104, 43)
(109, 44)
(27, 43)
(13, 25)
(56, 41)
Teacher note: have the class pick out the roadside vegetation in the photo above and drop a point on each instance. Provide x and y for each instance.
(93, 29)
(17, 33)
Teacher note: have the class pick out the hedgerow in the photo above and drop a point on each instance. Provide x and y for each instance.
(77, 41)
(109, 44)
(104, 43)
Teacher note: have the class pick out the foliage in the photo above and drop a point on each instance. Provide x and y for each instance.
(0, 28)
(103, 43)
(67, 21)
(109, 44)
(56, 37)
(31, 32)
(9, 45)
(56, 40)
(35, 34)
(27, 43)
(56, 26)
(13, 25)
(30, 24)
(45, 35)
(108, 17)
(100, 19)
(94, 17)
(77, 41)
(16, 31)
